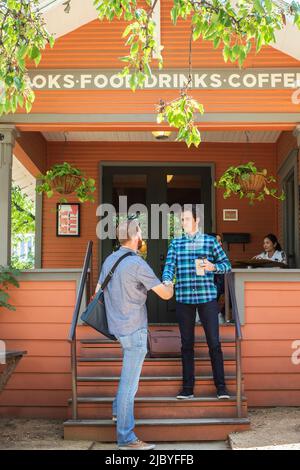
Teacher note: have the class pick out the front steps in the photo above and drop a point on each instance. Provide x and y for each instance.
(159, 416)
(158, 430)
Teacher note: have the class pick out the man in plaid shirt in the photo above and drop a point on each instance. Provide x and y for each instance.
(194, 259)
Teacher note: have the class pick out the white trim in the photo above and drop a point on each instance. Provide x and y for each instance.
(60, 23)
(46, 5)
(287, 41)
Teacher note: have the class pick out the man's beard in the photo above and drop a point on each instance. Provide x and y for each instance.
(140, 244)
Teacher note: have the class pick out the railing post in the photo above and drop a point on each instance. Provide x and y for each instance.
(72, 334)
(238, 379)
(74, 378)
(227, 303)
(238, 339)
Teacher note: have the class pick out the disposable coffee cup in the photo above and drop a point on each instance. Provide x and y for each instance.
(199, 262)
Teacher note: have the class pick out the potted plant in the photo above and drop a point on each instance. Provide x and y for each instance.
(64, 179)
(248, 181)
(7, 277)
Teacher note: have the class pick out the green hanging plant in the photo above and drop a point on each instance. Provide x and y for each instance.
(246, 181)
(7, 277)
(66, 179)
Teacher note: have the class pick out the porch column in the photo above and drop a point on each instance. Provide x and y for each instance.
(8, 136)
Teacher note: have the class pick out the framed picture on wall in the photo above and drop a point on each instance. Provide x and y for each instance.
(68, 220)
(230, 214)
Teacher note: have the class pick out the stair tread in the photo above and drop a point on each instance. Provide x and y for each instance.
(147, 359)
(160, 422)
(95, 399)
(199, 339)
(146, 378)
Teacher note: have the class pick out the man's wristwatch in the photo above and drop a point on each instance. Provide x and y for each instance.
(168, 283)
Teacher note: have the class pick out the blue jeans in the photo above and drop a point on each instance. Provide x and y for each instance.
(134, 351)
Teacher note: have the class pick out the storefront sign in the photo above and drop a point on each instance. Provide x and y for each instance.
(167, 79)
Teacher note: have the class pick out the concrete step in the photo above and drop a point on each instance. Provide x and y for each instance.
(151, 386)
(158, 430)
(162, 408)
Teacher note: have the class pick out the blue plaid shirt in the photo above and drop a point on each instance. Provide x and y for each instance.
(189, 287)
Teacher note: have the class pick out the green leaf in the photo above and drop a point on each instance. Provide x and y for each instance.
(258, 6)
(269, 5)
(174, 14)
(226, 53)
(134, 48)
(34, 52)
(133, 81)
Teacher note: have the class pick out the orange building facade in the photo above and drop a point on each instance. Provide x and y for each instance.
(83, 116)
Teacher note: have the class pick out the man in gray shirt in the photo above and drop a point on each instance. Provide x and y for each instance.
(125, 300)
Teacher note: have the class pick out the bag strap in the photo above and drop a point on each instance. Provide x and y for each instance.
(110, 274)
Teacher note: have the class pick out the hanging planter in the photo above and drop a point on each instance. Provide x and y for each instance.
(254, 183)
(66, 184)
(246, 181)
(66, 179)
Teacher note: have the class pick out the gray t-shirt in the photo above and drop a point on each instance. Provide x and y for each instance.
(126, 293)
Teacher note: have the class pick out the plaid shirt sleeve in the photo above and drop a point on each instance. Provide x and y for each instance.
(221, 263)
(170, 265)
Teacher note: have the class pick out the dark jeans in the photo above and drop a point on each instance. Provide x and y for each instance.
(208, 314)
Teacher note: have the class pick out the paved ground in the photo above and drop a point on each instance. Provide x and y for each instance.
(271, 428)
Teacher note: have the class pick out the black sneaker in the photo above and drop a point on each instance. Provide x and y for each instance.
(184, 395)
(222, 394)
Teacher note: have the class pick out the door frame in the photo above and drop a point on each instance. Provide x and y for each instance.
(120, 163)
(291, 165)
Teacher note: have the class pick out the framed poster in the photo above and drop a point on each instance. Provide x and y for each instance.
(230, 214)
(68, 220)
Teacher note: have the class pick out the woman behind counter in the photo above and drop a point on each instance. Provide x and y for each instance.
(272, 250)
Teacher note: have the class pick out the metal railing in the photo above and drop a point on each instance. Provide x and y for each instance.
(230, 296)
(87, 271)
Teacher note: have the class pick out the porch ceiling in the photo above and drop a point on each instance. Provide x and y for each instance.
(146, 136)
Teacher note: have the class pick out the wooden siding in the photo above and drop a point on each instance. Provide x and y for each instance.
(61, 252)
(99, 45)
(272, 324)
(41, 384)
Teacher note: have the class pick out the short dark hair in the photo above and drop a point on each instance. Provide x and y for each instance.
(190, 208)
